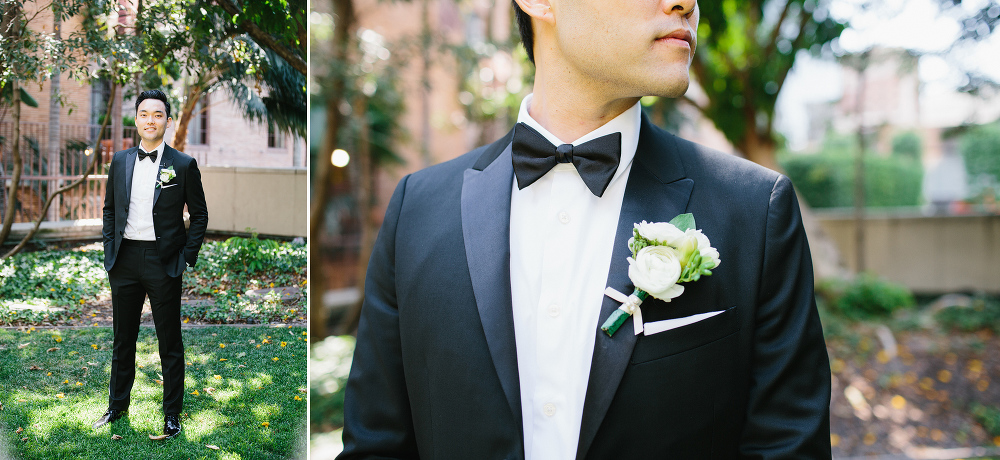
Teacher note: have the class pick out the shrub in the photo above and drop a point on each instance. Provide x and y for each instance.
(330, 364)
(826, 180)
(980, 148)
(865, 297)
(983, 313)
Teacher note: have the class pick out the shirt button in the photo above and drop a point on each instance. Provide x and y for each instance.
(549, 409)
(564, 217)
(553, 310)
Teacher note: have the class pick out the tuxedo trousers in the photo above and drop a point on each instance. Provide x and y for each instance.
(136, 274)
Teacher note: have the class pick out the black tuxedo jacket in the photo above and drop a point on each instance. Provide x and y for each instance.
(175, 244)
(435, 369)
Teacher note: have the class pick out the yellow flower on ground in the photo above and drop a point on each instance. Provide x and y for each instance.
(223, 359)
(186, 320)
(195, 392)
(298, 398)
(303, 332)
(265, 424)
(218, 377)
(95, 324)
(78, 383)
(222, 345)
(60, 395)
(58, 339)
(94, 344)
(274, 359)
(82, 301)
(53, 289)
(283, 343)
(66, 381)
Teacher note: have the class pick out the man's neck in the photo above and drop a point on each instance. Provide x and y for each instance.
(568, 107)
(150, 146)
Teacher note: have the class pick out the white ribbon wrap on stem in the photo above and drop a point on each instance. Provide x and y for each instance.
(630, 305)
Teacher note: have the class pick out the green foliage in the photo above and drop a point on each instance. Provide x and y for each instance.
(907, 145)
(984, 313)
(826, 179)
(238, 264)
(745, 50)
(51, 278)
(865, 297)
(980, 147)
(330, 364)
(988, 416)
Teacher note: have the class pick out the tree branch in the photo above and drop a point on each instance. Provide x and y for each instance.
(86, 173)
(265, 39)
(773, 41)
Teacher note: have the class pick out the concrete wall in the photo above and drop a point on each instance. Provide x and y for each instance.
(271, 201)
(927, 254)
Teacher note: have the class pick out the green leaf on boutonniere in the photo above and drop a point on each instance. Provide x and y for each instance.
(683, 222)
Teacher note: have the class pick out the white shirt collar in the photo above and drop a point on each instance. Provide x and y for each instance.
(627, 123)
(158, 149)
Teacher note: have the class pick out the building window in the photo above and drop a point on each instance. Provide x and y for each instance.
(198, 128)
(274, 138)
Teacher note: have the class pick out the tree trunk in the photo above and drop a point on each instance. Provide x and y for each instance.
(344, 10)
(365, 192)
(55, 159)
(56, 194)
(8, 218)
(179, 141)
(117, 130)
(827, 261)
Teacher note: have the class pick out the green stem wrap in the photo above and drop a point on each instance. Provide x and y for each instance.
(619, 316)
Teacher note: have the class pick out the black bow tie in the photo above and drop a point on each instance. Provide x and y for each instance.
(151, 155)
(596, 160)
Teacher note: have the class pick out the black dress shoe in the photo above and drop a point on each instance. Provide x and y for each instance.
(171, 425)
(110, 416)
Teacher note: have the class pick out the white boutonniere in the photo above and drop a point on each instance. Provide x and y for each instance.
(166, 175)
(664, 254)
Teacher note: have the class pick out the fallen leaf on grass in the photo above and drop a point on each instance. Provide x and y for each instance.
(241, 365)
(23, 345)
(24, 439)
(195, 392)
(159, 382)
(158, 438)
(115, 437)
(19, 430)
(50, 350)
(34, 368)
(241, 355)
(209, 390)
(94, 364)
(212, 446)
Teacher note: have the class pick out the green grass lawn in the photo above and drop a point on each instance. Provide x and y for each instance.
(245, 394)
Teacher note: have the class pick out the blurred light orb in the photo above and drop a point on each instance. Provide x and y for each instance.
(340, 158)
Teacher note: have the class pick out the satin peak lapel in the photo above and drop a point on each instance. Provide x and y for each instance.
(657, 191)
(167, 161)
(486, 230)
(129, 160)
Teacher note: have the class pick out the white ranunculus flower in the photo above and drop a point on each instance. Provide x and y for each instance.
(663, 232)
(705, 248)
(655, 270)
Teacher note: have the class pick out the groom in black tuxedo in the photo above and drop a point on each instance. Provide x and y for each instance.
(147, 249)
(479, 336)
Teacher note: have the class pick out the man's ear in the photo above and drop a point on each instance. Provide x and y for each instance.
(537, 9)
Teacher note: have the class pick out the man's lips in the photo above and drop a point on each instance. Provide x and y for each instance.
(679, 37)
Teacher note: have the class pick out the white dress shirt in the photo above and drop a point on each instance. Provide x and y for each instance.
(139, 223)
(561, 239)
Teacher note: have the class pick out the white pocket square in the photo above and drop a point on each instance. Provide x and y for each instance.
(167, 186)
(655, 327)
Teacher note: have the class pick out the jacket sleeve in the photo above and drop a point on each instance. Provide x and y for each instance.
(788, 410)
(194, 196)
(377, 418)
(108, 219)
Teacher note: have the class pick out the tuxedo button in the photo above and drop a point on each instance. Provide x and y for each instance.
(553, 310)
(564, 217)
(549, 409)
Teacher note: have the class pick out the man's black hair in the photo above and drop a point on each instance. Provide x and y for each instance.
(153, 94)
(524, 26)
